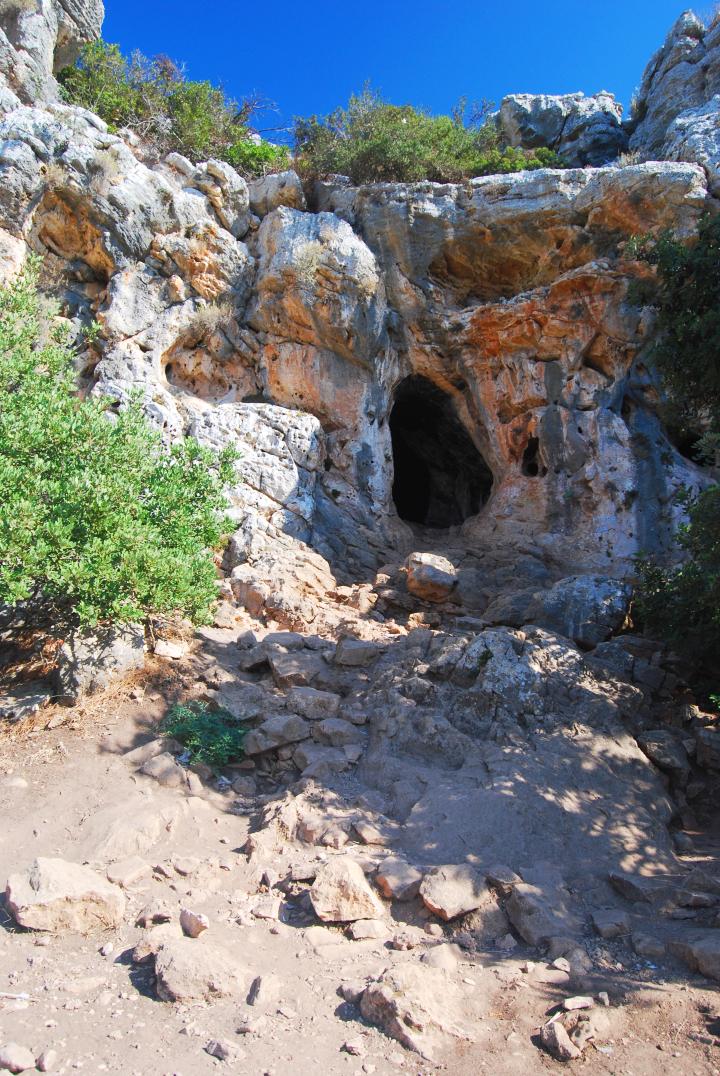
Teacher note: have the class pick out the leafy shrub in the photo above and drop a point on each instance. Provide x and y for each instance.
(210, 736)
(166, 110)
(98, 518)
(372, 141)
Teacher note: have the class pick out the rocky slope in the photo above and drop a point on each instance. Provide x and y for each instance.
(450, 455)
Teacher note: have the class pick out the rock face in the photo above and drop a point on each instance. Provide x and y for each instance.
(678, 102)
(38, 40)
(57, 896)
(458, 355)
(584, 130)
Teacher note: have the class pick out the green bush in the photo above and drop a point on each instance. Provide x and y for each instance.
(210, 736)
(372, 141)
(168, 111)
(682, 605)
(98, 518)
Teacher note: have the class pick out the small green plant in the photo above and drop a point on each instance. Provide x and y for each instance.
(167, 111)
(210, 736)
(99, 519)
(372, 141)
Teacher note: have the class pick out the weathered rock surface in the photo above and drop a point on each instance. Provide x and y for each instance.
(583, 130)
(89, 661)
(56, 896)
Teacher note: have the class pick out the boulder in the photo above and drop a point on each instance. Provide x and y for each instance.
(341, 894)
(278, 189)
(453, 890)
(57, 896)
(583, 130)
(312, 704)
(538, 913)
(398, 880)
(356, 653)
(418, 1005)
(195, 970)
(557, 1042)
(665, 748)
(585, 608)
(610, 923)
(89, 661)
(276, 731)
(15, 1058)
(430, 577)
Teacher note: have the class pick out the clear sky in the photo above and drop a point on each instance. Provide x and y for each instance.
(308, 57)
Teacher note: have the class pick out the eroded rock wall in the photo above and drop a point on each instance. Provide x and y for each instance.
(242, 315)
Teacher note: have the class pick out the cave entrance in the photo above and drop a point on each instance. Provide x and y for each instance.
(440, 477)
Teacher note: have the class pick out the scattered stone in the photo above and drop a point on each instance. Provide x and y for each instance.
(185, 865)
(369, 834)
(538, 913)
(252, 1025)
(367, 930)
(263, 990)
(245, 785)
(352, 991)
(47, 1061)
(354, 1047)
(158, 911)
(56, 896)
(337, 733)
(276, 731)
(193, 923)
(453, 890)
(417, 1005)
(127, 872)
(312, 704)
(170, 648)
(14, 1058)
(189, 970)
(166, 770)
(267, 907)
(446, 956)
(319, 760)
(356, 653)
(610, 923)
(648, 946)
(434, 930)
(224, 1050)
(578, 1002)
(502, 879)
(507, 943)
(397, 880)
(340, 893)
(556, 1041)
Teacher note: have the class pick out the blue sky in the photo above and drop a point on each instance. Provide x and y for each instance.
(308, 57)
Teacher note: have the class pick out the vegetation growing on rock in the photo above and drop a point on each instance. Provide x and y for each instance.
(683, 604)
(99, 518)
(167, 111)
(210, 736)
(373, 141)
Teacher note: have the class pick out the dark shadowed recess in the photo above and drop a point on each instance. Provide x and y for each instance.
(440, 477)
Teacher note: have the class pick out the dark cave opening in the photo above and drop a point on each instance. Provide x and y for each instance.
(440, 477)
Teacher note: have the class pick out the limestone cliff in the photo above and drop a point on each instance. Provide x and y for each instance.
(456, 355)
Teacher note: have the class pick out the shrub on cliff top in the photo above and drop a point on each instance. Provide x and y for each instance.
(168, 111)
(98, 517)
(372, 141)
